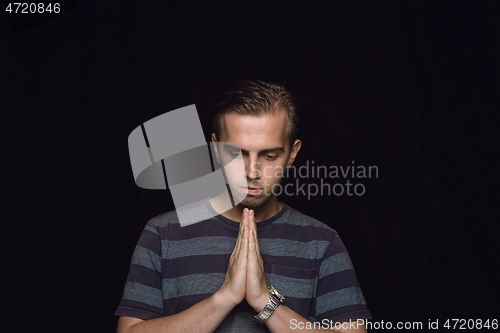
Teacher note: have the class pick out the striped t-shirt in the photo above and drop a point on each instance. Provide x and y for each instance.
(175, 267)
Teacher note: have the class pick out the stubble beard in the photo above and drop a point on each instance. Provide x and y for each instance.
(252, 204)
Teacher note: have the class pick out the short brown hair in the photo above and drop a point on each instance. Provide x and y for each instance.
(256, 98)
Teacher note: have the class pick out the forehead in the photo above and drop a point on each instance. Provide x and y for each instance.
(251, 132)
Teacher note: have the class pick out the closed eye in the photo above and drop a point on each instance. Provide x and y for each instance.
(236, 154)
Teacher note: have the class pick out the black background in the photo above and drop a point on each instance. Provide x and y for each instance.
(411, 87)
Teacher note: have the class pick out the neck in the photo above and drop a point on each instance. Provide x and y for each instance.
(267, 210)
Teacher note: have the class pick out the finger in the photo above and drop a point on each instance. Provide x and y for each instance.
(253, 226)
(238, 240)
(243, 213)
(256, 242)
(242, 224)
(252, 254)
(244, 244)
(244, 217)
(251, 220)
(237, 247)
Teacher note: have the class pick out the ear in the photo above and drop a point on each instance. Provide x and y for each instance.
(216, 148)
(293, 152)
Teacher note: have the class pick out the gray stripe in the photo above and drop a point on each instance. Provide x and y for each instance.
(140, 293)
(192, 284)
(151, 228)
(210, 245)
(296, 218)
(147, 258)
(281, 247)
(198, 246)
(293, 287)
(339, 298)
(337, 263)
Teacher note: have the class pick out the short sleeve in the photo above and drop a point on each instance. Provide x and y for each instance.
(338, 295)
(142, 296)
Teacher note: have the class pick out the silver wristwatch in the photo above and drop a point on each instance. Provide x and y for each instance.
(275, 300)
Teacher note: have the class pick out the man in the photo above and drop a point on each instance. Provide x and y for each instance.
(231, 272)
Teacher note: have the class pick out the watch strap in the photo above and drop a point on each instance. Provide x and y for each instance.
(274, 301)
(268, 310)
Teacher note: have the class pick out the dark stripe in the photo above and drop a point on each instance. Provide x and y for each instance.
(150, 240)
(219, 263)
(195, 265)
(139, 310)
(300, 305)
(144, 276)
(337, 281)
(178, 304)
(346, 313)
(298, 233)
(290, 272)
(303, 263)
(300, 288)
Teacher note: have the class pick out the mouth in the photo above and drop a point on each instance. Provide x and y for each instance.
(251, 190)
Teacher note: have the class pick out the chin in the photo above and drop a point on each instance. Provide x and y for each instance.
(252, 203)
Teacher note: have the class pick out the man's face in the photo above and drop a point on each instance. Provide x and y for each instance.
(265, 153)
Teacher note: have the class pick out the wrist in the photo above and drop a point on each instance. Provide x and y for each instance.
(224, 299)
(275, 299)
(261, 302)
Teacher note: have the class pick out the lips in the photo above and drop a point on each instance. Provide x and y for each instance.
(251, 190)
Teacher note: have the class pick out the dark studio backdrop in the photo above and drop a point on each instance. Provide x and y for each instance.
(409, 87)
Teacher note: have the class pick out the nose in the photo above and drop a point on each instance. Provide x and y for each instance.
(253, 168)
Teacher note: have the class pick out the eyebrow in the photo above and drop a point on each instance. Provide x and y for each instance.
(267, 150)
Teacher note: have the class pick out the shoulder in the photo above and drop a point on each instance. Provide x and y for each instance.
(295, 217)
(163, 220)
(183, 216)
(305, 227)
